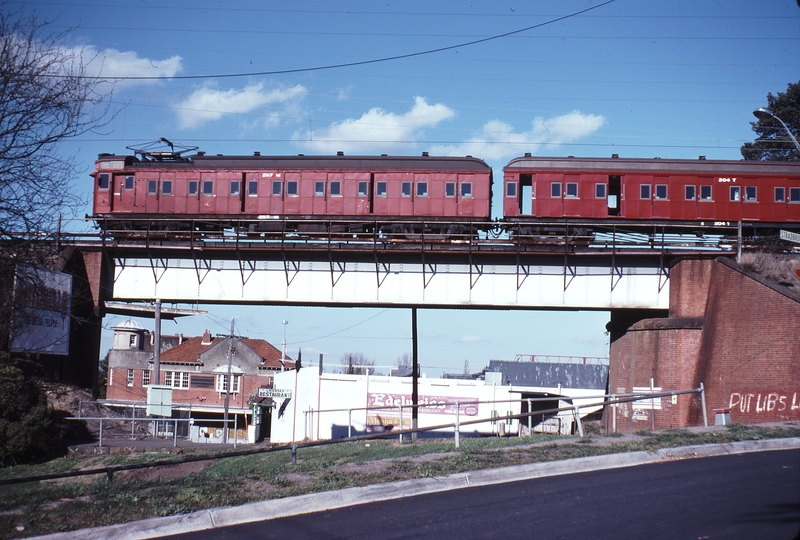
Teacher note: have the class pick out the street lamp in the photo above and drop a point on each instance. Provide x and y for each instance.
(283, 350)
(764, 114)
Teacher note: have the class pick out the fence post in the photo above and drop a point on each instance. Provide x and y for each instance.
(614, 416)
(175, 433)
(101, 433)
(401, 423)
(578, 420)
(458, 424)
(349, 422)
(703, 402)
(133, 425)
(235, 429)
(294, 454)
(530, 416)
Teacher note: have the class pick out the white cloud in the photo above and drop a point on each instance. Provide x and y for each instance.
(377, 130)
(208, 104)
(499, 140)
(470, 339)
(113, 63)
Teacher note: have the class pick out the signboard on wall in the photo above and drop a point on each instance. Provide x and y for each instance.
(42, 304)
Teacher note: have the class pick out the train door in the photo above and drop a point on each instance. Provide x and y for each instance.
(166, 193)
(207, 193)
(517, 195)
(334, 205)
(139, 193)
(252, 186)
(573, 196)
(614, 201)
(291, 193)
(358, 194)
(123, 192)
(661, 197)
(706, 207)
(466, 195)
(549, 201)
(317, 181)
(422, 197)
(380, 194)
(639, 203)
(752, 192)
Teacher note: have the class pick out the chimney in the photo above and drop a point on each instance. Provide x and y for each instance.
(206, 338)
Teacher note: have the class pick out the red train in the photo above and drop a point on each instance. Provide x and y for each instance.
(298, 193)
(443, 195)
(613, 190)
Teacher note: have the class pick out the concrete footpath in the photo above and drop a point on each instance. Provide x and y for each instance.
(317, 502)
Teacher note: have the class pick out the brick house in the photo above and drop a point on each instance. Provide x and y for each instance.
(196, 368)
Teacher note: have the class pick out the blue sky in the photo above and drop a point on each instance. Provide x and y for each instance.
(638, 78)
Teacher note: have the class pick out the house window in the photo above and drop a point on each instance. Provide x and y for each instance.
(750, 193)
(130, 377)
(780, 194)
(644, 192)
(208, 187)
(291, 188)
(252, 187)
(380, 189)
(705, 193)
(168, 378)
(193, 184)
(132, 343)
(166, 187)
(222, 384)
(146, 377)
(555, 190)
(102, 181)
(511, 189)
(661, 192)
(129, 182)
(176, 379)
(362, 188)
(690, 193)
(450, 189)
(235, 187)
(152, 187)
(466, 189)
(276, 187)
(600, 191)
(794, 195)
(736, 193)
(336, 188)
(422, 189)
(405, 189)
(572, 190)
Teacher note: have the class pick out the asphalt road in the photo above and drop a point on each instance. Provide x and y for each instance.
(747, 496)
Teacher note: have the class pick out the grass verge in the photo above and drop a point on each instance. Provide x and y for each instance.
(76, 503)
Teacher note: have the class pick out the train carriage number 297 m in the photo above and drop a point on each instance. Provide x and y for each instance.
(270, 175)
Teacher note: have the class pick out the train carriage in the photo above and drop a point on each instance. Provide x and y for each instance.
(350, 192)
(600, 191)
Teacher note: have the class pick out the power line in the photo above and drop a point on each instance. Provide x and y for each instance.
(359, 63)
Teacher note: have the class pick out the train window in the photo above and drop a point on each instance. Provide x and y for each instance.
(511, 189)
(600, 191)
(691, 193)
(555, 190)
(422, 189)
(661, 191)
(235, 186)
(449, 189)
(166, 187)
(466, 189)
(208, 187)
(750, 193)
(736, 193)
(276, 187)
(405, 189)
(102, 181)
(380, 189)
(644, 192)
(705, 193)
(794, 194)
(319, 188)
(252, 187)
(193, 184)
(152, 187)
(291, 187)
(129, 182)
(336, 188)
(572, 189)
(362, 188)
(780, 194)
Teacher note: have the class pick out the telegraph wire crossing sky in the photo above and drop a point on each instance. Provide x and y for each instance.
(585, 78)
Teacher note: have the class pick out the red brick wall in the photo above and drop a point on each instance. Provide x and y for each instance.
(729, 329)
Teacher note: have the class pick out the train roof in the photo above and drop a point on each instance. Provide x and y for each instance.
(653, 165)
(300, 161)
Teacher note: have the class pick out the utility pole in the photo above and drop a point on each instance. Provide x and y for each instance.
(414, 376)
(228, 387)
(157, 344)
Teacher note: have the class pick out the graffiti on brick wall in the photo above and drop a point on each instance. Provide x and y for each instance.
(746, 402)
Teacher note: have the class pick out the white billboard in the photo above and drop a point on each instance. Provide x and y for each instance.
(42, 304)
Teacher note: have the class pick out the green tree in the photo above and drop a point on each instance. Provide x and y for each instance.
(26, 422)
(773, 143)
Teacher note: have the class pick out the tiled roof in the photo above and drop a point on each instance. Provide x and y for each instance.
(191, 349)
